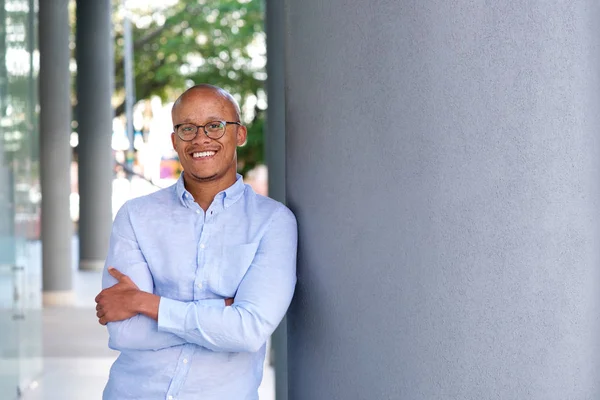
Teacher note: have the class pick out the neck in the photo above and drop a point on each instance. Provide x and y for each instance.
(204, 192)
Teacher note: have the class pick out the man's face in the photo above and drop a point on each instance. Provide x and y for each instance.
(205, 159)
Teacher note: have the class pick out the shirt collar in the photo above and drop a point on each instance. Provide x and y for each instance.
(232, 193)
(180, 189)
(226, 197)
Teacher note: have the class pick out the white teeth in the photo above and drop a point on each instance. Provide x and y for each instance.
(204, 154)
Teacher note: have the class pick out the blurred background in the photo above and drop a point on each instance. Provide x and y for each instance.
(123, 63)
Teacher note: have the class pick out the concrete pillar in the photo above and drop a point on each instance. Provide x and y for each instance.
(443, 163)
(55, 150)
(95, 75)
(275, 157)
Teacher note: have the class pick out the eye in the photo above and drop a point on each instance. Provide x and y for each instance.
(214, 125)
(187, 128)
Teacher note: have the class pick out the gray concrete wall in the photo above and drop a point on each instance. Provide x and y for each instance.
(442, 160)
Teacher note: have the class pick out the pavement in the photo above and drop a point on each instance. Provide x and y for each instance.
(75, 355)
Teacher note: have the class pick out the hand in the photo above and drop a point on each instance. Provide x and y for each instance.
(118, 302)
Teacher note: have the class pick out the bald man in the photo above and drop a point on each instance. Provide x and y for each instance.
(198, 275)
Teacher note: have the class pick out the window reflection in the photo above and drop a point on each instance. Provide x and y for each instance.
(20, 197)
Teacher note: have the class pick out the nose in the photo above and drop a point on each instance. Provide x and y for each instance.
(201, 137)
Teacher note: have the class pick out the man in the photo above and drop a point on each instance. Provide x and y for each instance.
(199, 274)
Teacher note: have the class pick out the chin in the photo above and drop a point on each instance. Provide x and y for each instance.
(204, 177)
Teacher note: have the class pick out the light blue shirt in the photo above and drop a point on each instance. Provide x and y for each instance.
(243, 246)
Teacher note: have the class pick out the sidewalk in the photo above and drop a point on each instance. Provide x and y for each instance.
(76, 359)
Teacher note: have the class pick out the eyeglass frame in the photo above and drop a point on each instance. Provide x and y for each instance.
(176, 128)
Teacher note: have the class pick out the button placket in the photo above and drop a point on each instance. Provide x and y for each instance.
(200, 283)
(181, 371)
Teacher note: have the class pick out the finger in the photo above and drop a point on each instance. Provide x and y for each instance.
(102, 321)
(98, 307)
(115, 273)
(100, 313)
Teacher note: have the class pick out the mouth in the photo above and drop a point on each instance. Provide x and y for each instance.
(203, 155)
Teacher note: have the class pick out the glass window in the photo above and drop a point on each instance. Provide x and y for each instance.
(20, 248)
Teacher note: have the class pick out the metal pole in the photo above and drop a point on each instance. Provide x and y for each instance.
(55, 157)
(129, 84)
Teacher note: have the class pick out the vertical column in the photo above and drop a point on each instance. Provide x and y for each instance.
(443, 161)
(275, 156)
(55, 150)
(95, 75)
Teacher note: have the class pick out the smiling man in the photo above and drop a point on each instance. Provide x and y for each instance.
(198, 275)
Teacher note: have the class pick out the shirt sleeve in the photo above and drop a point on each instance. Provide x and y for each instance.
(124, 254)
(260, 304)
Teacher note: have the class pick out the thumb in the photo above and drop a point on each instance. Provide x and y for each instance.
(115, 273)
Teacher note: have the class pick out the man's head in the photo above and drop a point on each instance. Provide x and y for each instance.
(205, 158)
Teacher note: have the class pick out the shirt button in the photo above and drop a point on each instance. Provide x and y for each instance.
(170, 397)
(185, 360)
(202, 246)
(197, 211)
(199, 285)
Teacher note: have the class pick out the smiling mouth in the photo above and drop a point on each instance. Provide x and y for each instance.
(203, 154)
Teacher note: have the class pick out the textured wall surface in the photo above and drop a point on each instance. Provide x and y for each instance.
(442, 160)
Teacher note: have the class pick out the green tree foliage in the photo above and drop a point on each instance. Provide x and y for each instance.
(204, 41)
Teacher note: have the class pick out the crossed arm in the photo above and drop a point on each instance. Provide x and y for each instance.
(137, 319)
(125, 300)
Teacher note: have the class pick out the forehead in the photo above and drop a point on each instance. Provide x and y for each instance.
(202, 104)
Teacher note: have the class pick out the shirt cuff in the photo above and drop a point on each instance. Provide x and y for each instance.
(172, 313)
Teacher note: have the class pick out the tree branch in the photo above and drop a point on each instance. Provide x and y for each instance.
(120, 109)
(138, 44)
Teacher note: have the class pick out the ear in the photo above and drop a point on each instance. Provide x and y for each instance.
(173, 140)
(242, 135)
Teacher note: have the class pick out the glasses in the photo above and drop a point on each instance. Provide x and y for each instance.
(214, 130)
